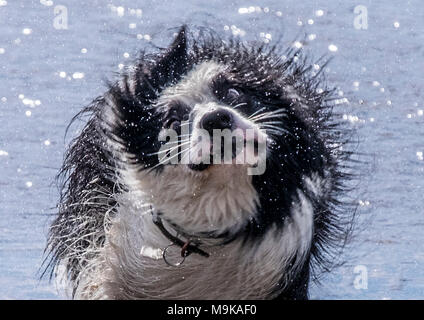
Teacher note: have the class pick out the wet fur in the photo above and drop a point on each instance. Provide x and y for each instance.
(294, 222)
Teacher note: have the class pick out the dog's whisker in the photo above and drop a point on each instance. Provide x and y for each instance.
(180, 144)
(269, 114)
(272, 114)
(270, 126)
(256, 112)
(239, 105)
(168, 160)
(270, 122)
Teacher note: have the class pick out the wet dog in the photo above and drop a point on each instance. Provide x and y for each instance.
(150, 209)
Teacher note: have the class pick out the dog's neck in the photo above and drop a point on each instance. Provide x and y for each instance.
(193, 243)
(217, 202)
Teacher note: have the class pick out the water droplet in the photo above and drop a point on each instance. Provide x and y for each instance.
(312, 36)
(319, 13)
(28, 102)
(78, 75)
(237, 31)
(47, 3)
(243, 10)
(26, 31)
(120, 11)
(298, 45)
(332, 48)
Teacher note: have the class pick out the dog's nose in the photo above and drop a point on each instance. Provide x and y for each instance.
(218, 119)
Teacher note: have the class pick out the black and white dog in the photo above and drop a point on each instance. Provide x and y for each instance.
(133, 226)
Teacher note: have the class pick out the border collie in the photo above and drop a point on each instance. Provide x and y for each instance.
(133, 224)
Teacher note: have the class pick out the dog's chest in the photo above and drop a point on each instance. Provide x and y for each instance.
(232, 271)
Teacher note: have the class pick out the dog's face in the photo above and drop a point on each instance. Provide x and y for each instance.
(211, 122)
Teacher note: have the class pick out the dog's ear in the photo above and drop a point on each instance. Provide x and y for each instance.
(172, 63)
(169, 67)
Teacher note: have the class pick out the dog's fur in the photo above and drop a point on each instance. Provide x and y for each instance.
(267, 235)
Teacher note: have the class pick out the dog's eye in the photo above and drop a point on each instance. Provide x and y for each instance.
(174, 124)
(232, 94)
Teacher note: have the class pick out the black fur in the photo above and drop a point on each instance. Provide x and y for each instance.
(311, 145)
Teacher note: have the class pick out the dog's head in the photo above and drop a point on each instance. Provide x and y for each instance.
(213, 131)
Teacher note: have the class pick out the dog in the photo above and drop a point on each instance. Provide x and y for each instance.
(139, 219)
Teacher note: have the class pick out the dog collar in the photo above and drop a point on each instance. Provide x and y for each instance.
(187, 247)
(191, 245)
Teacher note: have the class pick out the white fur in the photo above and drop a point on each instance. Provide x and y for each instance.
(303, 218)
(317, 185)
(233, 271)
(194, 88)
(215, 199)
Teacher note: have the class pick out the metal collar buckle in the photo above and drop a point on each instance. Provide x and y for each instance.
(187, 247)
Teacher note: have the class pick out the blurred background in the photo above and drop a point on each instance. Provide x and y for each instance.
(55, 57)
